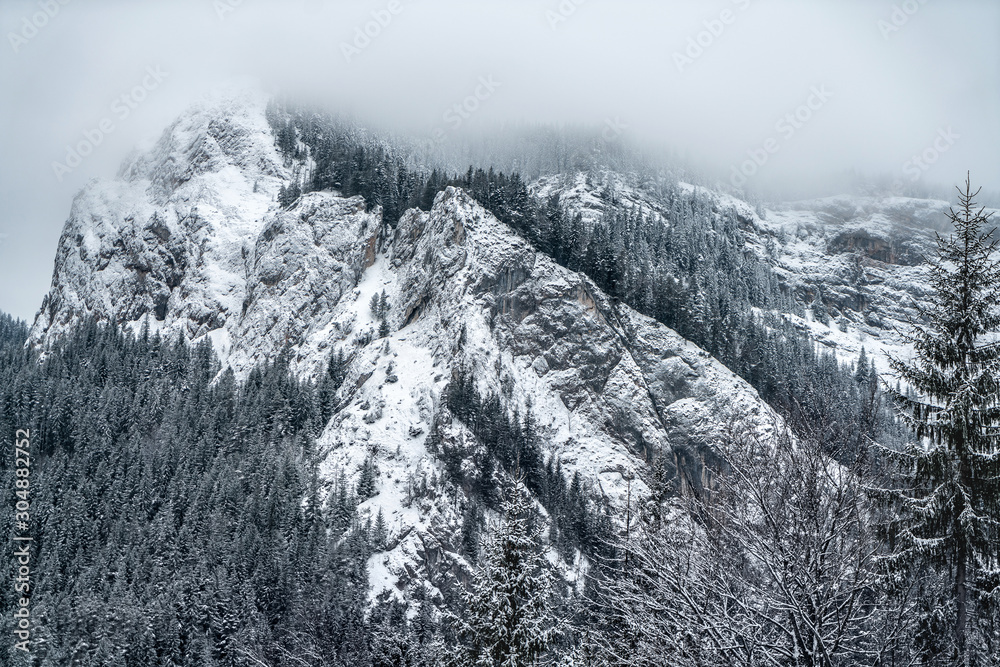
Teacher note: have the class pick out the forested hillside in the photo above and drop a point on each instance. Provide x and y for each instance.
(176, 521)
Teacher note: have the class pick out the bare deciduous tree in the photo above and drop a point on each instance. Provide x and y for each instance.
(776, 565)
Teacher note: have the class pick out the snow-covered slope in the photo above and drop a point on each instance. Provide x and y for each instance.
(864, 258)
(189, 239)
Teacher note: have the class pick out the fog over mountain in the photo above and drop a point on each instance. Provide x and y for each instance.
(712, 85)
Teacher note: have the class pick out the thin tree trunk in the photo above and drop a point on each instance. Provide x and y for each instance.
(961, 603)
(961, 571)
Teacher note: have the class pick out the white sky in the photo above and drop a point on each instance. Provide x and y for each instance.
(891, 93)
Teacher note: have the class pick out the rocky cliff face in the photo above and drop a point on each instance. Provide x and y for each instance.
(610, 388)
(189, 240)
(171, 240)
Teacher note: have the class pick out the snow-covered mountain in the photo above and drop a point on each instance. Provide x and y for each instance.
(189, 239)
(859, 259)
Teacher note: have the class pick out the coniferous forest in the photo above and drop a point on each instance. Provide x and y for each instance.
(179, 522)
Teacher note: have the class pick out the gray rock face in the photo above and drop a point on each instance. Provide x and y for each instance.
(866, 259)
(302, 264)
(610, 388)
(629, 377)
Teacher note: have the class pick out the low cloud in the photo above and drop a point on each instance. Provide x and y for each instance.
(405, 64)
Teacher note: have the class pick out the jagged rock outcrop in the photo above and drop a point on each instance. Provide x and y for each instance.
(865, 257)
(611, 389)
(168, 241)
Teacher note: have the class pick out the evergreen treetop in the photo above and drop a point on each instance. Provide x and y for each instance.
(509, 623)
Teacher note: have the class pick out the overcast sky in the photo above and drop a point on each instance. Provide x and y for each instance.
(873, 83)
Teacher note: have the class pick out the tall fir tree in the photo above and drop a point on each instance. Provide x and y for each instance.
(949, 498)
(509, 623)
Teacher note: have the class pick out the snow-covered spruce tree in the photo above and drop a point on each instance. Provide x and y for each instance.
(949, 495)
(508, 622)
